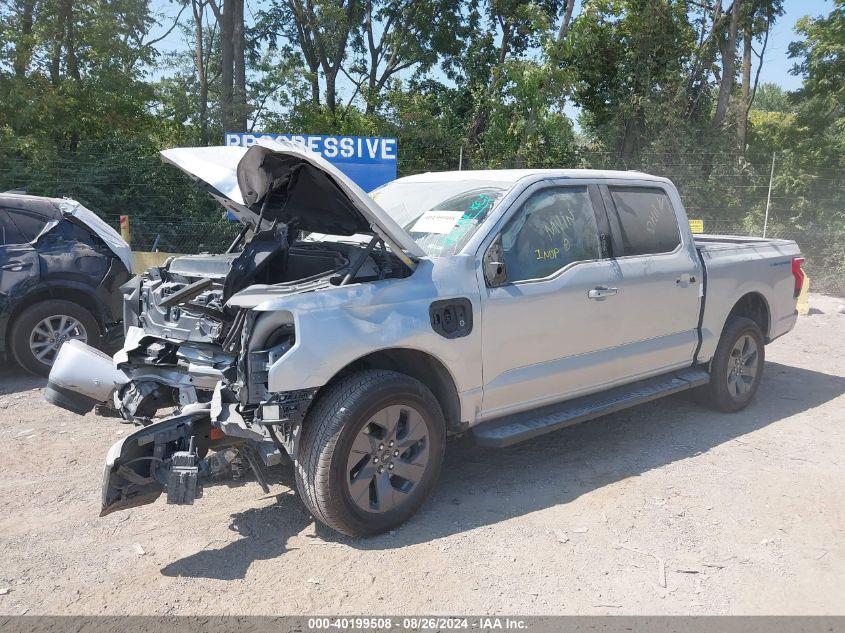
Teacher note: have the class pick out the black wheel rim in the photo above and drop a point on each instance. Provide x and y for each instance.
(388, 459)
(743, 366)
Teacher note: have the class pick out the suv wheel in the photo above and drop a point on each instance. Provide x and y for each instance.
(371, 451)
(40, 330)
(736, 368)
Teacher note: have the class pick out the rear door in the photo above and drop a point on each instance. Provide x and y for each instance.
(659, 277)
(19, 270)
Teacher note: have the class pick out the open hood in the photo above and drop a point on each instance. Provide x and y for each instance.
(292, 185)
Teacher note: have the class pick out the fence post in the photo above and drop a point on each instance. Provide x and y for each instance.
(769, 196)
(461, 158)
(124, 229)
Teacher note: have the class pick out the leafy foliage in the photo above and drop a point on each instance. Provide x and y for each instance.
(88, 96)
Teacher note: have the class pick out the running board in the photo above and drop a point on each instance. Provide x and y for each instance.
(523, 426)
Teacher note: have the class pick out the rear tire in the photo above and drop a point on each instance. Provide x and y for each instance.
(736, 368)
(371, 452)
(35, 331)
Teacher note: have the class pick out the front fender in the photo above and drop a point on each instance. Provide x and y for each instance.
(333, 328)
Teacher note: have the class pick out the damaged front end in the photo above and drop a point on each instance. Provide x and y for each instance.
(186, 350)
(196, 345)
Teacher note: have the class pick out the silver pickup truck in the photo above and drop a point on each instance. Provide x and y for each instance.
(350, 334)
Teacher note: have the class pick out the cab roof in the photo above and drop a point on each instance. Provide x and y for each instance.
(512, 176)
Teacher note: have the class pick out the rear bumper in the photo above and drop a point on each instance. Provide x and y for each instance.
(73, 401)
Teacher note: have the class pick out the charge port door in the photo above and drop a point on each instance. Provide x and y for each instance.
(451, 318)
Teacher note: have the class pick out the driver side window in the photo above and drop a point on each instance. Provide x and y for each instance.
(554, 228)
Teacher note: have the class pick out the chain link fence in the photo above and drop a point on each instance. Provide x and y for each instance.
(823, 247)
(187, 237)
(168, 214)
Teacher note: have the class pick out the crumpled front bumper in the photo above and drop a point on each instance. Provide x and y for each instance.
(138, 467)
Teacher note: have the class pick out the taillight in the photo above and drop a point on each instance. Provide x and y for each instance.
(798, 274)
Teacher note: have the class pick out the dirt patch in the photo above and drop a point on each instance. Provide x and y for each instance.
(666, 508)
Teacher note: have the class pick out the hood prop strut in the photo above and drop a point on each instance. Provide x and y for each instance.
(360, 261)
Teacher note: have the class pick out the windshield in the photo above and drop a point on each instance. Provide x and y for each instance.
(440, 216)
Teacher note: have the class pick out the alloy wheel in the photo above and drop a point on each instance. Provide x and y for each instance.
(388, 458)
(51, 333)
(742, 366)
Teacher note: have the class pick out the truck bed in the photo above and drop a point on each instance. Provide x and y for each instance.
(736, 266)
(716, 242)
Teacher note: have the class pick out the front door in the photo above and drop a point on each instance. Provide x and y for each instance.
(545, 329)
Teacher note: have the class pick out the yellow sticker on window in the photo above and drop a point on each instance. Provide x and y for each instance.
(696, 226)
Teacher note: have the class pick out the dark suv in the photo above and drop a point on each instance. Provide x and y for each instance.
(61, 268)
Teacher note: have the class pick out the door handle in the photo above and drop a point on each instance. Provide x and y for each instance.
(16, 266)
(600, 292)
(685, 279)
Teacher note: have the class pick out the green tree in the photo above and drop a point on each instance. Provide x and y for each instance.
(630, 62)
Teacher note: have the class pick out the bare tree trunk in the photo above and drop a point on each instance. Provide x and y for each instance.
(631, 138)
(375, 52)
(727, 48)
(306, 44)
(240, 107)
(58, 45)
(226, 22)
(333, 59)
(198, 7)
(567, 18)
(71, 61)
(23, 52)
(742, 125)
(331, 89)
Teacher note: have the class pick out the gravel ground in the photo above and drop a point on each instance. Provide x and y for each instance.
(664, 509)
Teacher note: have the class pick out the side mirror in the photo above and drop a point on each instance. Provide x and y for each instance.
(495, 272)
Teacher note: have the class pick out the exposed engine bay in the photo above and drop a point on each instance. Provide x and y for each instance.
(186, 340)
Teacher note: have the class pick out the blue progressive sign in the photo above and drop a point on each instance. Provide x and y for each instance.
(370, 161)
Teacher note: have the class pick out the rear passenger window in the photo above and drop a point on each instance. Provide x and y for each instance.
(70, 232)
(647, 222)
(29, 224)
(9, 233)
(554, 228)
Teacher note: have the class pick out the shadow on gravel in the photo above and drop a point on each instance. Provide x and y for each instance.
(481, 486)
(264, 531)
(13, 379)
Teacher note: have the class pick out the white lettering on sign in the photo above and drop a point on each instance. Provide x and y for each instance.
(330, 147)
(369, 161)
(439, 222)
(388, 148)
(372, 148)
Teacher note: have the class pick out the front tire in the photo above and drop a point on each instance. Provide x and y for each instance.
(39, 331)
(371, 452)
(736, 368)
